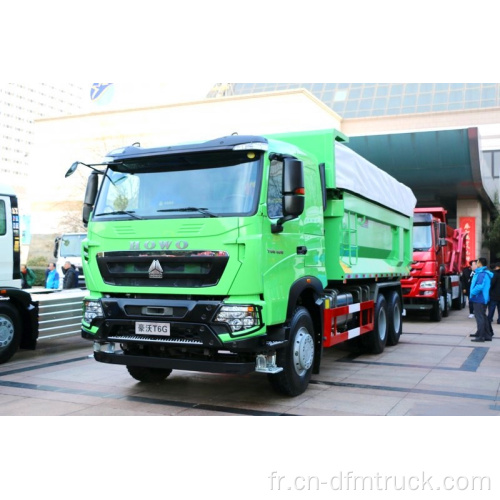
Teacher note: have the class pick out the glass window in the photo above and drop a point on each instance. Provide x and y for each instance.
(440, 98)
(472, 95)
(411, 88)
(340, 95)
(488, 158)
(355, 93)
(496, 164)
(409, 100)
(191, 185)
(442, 86)
(382, 90)
(422, 237)
(3, 218)
(456, 96)
(368, 92)
(426, 87)
(488, 93)
(275, 190)
(379, 103)
(424, 99)
(395, 102)
(396, 88)
(365, 104)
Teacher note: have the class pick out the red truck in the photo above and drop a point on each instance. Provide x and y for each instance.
(435, 282)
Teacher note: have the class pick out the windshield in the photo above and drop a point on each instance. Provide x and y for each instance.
(193, 186)
(70, 245)
(422, 237)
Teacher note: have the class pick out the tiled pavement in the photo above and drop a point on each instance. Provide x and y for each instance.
(435, 370)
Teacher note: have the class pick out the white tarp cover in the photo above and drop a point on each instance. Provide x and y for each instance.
(357, 175)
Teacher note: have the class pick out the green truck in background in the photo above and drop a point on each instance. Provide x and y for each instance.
(242, 254)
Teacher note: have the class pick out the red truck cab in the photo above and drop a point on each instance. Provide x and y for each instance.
(435, 284)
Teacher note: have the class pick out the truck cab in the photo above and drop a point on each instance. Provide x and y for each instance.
(68, 247)
(434, 283)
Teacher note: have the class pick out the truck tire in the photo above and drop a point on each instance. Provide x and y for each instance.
(459, 301)
(375, 341)
(297, 358)
(444, 293)
(10, 332)
(436, 312)
(394, 319)
(148, 375)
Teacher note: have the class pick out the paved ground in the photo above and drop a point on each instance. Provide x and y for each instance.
(435, 370)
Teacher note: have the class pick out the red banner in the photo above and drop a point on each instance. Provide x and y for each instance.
(468, 225)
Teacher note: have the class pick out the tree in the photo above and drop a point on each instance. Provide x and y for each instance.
(491, 239)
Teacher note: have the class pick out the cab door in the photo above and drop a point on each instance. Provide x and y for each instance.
(7, 241)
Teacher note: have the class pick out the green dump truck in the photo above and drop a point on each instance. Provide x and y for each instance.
(242, 254)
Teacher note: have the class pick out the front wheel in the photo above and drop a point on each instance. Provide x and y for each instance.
(10, 332)
(297, 358)
(148, 375)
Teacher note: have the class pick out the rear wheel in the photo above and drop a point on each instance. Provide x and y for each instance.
(10, 332)
(148, 375)
(459, 301)
(375, 341)
(297, 358)
(394, 319)
(444, 295)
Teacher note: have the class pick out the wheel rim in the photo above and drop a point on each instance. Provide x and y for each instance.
(382, 324)
(6, 331)
(397, 317)
(303, 351)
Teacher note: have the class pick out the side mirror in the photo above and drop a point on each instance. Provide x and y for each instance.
(293, 188)
(56, 246)
(442, 234)
(72, 169)
(293, 192)
(90, 197)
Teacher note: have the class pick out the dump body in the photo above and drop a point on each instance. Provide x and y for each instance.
(213, 256)
(439, 257)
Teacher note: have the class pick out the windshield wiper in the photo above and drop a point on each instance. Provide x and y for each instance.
(203, 211)
(121, 212)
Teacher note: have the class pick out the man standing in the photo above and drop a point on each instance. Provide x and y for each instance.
(70, 276)
(52, 277)
(467, 275)
(480, 296)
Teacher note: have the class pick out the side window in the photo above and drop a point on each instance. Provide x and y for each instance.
(275, 190)
(3, 219)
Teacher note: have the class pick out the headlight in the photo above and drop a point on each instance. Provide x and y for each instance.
(92, 310)
(239, 318)
(426, 285)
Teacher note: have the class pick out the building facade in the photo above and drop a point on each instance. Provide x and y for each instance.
(20, 105)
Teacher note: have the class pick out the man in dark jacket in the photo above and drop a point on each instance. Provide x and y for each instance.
(467, 275)
(70, 276)
(495, 294)
(480, 296)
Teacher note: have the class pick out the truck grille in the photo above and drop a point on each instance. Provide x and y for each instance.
(176, 269)
(153, 340)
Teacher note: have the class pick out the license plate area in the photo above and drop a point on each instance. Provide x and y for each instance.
(153, 329)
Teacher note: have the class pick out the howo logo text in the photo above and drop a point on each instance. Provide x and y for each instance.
(158, 245)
